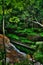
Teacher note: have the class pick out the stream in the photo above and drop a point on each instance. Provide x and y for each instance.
(24, 54)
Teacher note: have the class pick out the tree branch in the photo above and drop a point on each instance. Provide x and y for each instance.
(37, 23)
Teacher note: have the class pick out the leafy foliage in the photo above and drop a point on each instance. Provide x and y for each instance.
(19, 15)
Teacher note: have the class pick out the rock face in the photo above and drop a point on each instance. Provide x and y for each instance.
(12, 54)
(6, 40)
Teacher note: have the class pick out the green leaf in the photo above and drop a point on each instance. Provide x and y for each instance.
(14, 19)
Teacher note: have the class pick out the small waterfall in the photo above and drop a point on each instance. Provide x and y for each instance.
(10, 44)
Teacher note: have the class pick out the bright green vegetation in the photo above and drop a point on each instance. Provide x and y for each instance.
(39, 54)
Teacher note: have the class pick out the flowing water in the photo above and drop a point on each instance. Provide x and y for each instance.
(24, 54)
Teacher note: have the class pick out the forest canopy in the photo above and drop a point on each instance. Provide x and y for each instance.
(22, 10)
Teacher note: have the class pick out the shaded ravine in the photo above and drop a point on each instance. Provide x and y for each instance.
(12, 53)
(24, 54)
